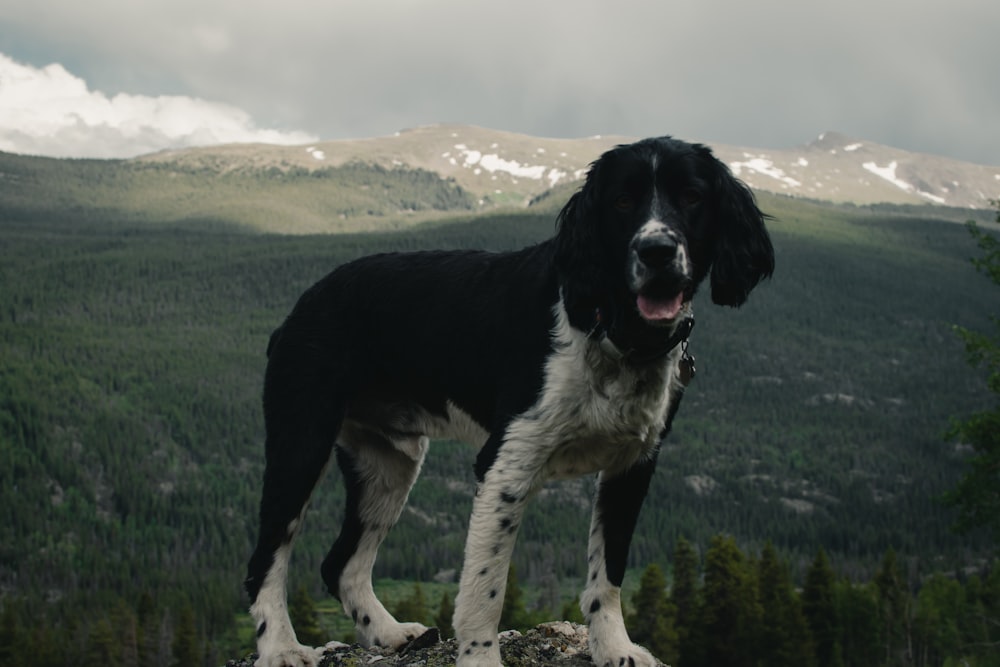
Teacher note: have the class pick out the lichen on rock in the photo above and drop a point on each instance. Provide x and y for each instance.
(557, 643)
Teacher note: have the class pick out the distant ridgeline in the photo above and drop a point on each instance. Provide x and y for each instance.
(290, 199)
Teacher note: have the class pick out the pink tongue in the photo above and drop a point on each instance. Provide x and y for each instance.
(660, 309)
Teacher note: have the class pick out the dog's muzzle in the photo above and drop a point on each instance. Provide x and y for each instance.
(659, 272)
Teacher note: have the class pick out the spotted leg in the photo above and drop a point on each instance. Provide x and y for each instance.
(616, 510)
(497, 510)
(378, 474)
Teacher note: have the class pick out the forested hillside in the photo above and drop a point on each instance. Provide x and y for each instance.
(131, 359)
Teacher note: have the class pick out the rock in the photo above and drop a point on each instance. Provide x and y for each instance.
(557, 643)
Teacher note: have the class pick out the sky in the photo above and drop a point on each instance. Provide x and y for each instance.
(118, 78)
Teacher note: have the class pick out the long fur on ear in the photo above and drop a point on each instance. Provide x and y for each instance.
(744, 255)
(579, 259)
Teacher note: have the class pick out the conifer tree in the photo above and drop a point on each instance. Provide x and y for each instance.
(514, 615)
(821, 612)
(412, 609)
(857, 614)
(305, 618)
(684, 597)
(939, 616)
(147, 630)
(445, 612)
(10, 637)
(785, 640)
(571, 611)
(894, 608)
(652, 624)
(186, 646)
(730, 614)
(102, 649)
(684, 592)
(125, 621)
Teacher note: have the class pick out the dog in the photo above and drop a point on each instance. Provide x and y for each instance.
(563, 359)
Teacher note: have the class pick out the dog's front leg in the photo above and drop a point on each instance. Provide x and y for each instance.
(497, 510)
(616, 510)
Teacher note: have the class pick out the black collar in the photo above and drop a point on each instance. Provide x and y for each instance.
(601, 332)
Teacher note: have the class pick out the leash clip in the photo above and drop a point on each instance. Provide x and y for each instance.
(686, 369)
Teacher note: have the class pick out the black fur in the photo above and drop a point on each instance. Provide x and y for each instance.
(389, 342)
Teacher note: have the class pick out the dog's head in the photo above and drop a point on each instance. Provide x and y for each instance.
(651, 221)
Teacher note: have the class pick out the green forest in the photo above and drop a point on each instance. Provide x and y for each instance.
(724, 606)
(131, 437)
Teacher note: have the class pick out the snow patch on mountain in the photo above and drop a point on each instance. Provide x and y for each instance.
(493, 163)
(762, 165)
(888, 173)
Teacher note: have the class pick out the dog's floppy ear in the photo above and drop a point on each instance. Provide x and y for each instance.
(579, 253)
(743, 253)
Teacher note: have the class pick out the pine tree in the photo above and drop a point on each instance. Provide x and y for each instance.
(821, 612)
(305, 618)
(412, 609)
(571, 611)
(186, 646)
(514, 615)
(652, 624)
(938, 619)
(443, 618)
(684, 593)
(784, 637)
(147, 634)
(10, 637)
(857, 613)
(684, 597)
(102, 649)
(894, 608)
(730, 614)
(125, 621)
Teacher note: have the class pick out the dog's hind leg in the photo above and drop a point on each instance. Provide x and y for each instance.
(378, 474)
(302, 427)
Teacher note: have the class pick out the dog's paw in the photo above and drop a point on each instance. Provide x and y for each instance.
(331, 646)
(431, 637)
(394, 636)
(632, 655)
(478, 654)
(292, 656)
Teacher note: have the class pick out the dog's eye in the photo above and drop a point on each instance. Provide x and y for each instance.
(623, 202)
(690, 197)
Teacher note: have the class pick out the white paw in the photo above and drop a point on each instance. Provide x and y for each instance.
(395, 636)
(293, 656)
(478, 661)
(332, 646)
(478, 654)
(631, 655)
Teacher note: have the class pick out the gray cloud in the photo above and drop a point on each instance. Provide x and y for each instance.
(768, 73)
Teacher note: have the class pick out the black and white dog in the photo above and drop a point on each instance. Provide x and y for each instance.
(559, 360)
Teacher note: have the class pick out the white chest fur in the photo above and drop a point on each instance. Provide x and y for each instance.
(594, 412)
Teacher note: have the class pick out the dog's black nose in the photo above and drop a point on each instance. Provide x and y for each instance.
(657, 251)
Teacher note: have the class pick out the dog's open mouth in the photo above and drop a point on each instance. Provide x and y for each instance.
(660, 309)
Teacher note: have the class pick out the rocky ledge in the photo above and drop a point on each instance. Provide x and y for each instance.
(557, 643)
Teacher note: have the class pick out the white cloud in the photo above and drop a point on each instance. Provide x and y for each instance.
(49, 111)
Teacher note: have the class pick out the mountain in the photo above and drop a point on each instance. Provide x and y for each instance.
(433, 172)
(507, 168)
(838, 168)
